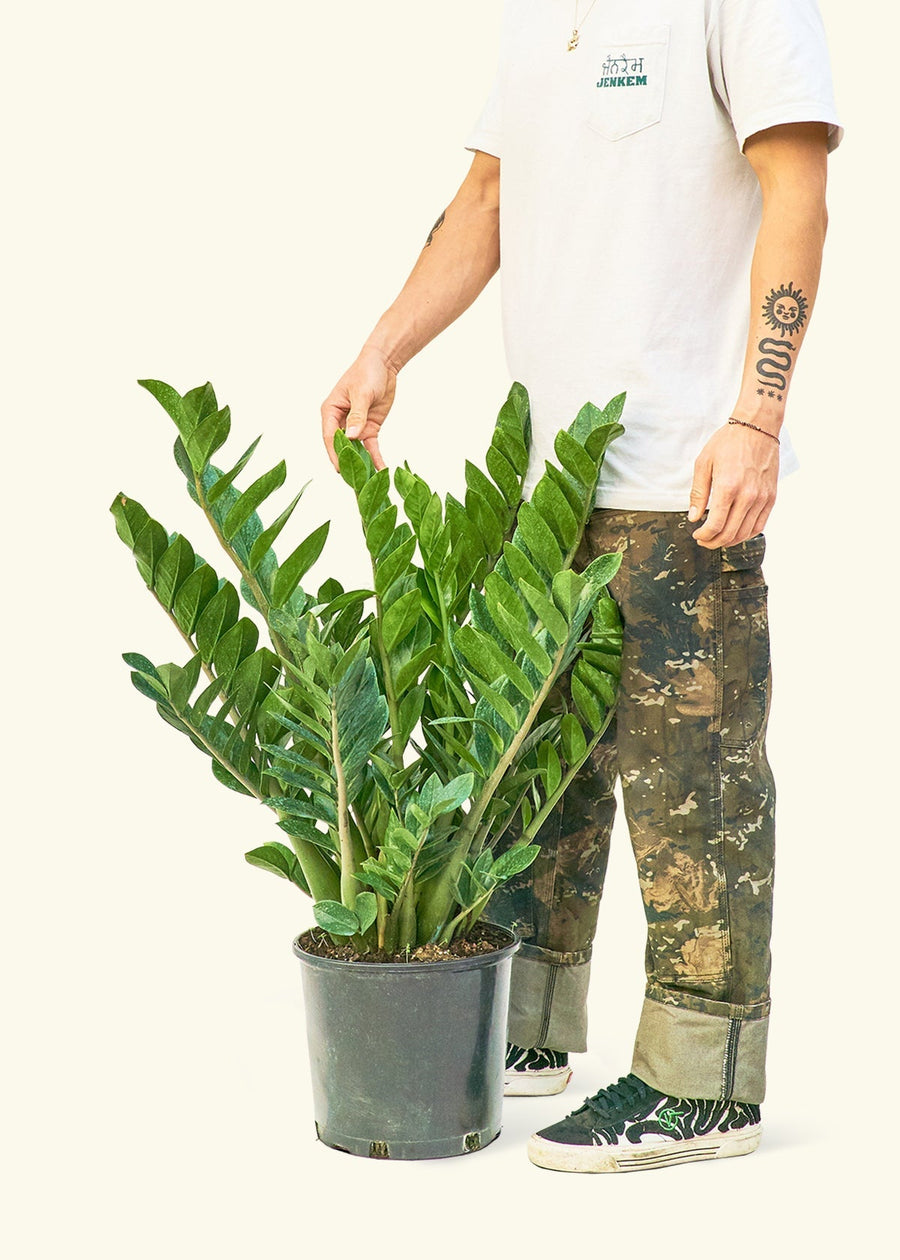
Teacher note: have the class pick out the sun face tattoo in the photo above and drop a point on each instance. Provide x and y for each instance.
(785, 310)
(435, 228)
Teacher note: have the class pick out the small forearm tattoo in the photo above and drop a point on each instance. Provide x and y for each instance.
(435, 228)
(785, 310)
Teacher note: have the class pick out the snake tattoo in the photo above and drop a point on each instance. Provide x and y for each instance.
(775, 362)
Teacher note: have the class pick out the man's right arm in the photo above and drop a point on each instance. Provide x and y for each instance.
(459, 257)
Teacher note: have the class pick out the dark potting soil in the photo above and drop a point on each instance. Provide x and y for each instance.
(481, 939)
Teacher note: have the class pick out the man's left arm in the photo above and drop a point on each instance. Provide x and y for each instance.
(736, 473)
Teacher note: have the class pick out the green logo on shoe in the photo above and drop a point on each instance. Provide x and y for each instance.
(669, 1118)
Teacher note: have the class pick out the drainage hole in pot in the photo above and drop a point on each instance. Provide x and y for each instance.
(379, 1150)
(473, 1141)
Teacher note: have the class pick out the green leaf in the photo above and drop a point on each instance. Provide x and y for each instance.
(322, 774)
(586, 704)
(193, 595)
(219, 615)
(278, 859)
(552, 619)
(139, 662)
(366, 908)
(362, 715)
(171, 400)
(291, 571)
(235, 645)
(150, 544)
(268, 536)
(567, 590)
(438, 798)
(226, 777)
(528, 645)
(533, 530)
(516, 859)
(130, 518)
(150, 687)
(548, 759)
(354, 461)
(173, 567)
(400, 618)
(554, 508)
(574, 744)
(575, 459)
(396, 562)
(498, 703)
(410, 673)
(219, 486)
(253, 496)
(335, 918)
(603, 569)
(379, 530)
(252, 679)
(482, 491)
(490, 661)
(207, 437)
(183, 684)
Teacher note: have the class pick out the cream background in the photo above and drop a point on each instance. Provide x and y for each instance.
(204, 191)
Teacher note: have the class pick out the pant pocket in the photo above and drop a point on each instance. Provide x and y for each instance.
(746, 668)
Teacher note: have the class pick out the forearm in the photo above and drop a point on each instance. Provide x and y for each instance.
(460, 256)
(784, 281)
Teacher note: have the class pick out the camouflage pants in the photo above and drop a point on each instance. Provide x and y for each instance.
(688, 744)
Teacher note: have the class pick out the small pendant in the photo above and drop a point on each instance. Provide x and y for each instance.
(573, 42)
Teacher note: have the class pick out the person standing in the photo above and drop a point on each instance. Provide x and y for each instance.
(654, 175)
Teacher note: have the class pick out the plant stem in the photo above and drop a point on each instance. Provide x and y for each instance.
(348, 863)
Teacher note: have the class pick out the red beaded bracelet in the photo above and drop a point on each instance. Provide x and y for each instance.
(748, 425)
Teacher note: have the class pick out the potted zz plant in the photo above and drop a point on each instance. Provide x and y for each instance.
(410, 739)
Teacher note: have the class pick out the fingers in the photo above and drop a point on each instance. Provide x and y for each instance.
(700, 489)
(348, 411)
(733, 518)
(371, 445)
(332, 419)
(358, 413)
(759, 524)
(721, 498)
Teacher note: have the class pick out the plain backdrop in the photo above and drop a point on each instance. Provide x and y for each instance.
(234, 192)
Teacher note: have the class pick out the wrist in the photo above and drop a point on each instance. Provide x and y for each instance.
(765, 413)
(388, 342)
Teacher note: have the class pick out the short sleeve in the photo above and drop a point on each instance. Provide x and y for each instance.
(487, 132)
(769, 64)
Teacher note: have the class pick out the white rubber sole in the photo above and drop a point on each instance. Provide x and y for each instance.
(599, 1159)
(531, 1084)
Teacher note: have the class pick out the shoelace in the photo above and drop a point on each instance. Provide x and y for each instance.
(520, 1058)
(627, 1091)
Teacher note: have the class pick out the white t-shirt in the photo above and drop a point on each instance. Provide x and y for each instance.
(628, 214)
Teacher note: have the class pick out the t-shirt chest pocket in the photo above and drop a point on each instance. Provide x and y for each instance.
(628, 81)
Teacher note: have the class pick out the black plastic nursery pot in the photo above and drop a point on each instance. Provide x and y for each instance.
(407, 1059)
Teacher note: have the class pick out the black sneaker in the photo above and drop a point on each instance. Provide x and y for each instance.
(630, 1126)
(535, 1071)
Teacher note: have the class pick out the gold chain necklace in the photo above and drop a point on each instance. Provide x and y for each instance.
(573, 42)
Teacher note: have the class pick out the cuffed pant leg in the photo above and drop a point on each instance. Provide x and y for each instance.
(548, 998)
(707, 1050)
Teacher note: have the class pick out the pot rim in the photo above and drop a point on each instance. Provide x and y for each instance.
(485, 959)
